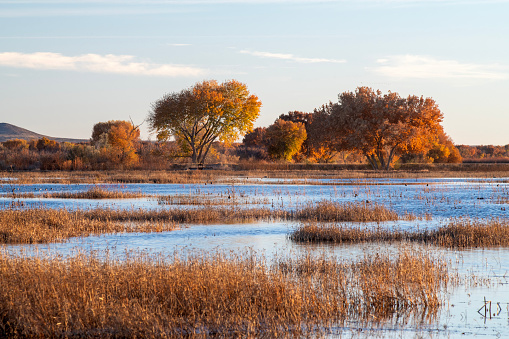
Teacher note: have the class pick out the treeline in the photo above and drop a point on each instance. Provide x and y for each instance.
(201, 124)
(484, 153)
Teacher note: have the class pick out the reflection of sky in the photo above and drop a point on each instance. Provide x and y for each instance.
(443, 199)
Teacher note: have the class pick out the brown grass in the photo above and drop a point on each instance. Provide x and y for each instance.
(459, 233)
(45, 225)
(283, 171)
(92, 193)
(350, 211)
(464, 233)
(206, 296)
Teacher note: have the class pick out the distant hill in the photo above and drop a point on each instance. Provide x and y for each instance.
(9, 132)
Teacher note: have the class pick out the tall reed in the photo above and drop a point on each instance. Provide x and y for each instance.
(350, 211)
(209, 295)
(459, 233)
(45, 225)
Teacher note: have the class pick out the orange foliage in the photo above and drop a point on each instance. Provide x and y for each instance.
(382, 126)
(116, 140)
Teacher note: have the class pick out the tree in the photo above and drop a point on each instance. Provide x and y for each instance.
(117, 138)
(198, 116)
(284, 139)
(383, 126)
(444, 151)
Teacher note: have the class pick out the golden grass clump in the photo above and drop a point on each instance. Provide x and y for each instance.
(92, 193)
(464, 233)
(208, 295)
(460, 233)
(340, 233)
(350, 211)
(41, 225)
(95, 193)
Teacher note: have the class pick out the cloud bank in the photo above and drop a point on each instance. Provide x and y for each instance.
(118, 64)
(425, 67)
(290, 57)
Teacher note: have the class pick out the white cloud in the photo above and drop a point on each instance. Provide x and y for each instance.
(291, 57)
(119, 64)
(425, 67)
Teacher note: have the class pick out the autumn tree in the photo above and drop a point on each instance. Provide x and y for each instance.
(443, 150)
(16, 144)
(45, 144)
(284, 139)
(204, 113)
(118, 139)
(255, 138)
(383, 126)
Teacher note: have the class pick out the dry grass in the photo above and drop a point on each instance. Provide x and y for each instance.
(92, 193)
(283, 171)
(350, 211)
(42, 225)
(204, 296)
(464, 233)
(459, 233)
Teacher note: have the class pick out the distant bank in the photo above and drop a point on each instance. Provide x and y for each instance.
(9, 132)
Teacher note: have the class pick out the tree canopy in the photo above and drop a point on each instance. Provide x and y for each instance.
(382, 126)
(284, 139)
(204, 113)
(117, 138)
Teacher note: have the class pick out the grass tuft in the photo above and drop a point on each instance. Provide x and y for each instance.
(460, 233)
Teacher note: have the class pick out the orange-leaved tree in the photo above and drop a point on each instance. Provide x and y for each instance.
(383, 126)
(117, 138)
(204, 113)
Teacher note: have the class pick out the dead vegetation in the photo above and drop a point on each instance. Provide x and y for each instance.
(459, 233)
(210, 295)
(40, 225)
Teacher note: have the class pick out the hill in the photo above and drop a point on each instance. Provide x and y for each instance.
(9, 132)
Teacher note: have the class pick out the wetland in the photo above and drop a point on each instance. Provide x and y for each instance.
(382, 256)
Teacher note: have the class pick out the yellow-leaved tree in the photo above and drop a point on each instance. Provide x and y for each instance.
(204, 113)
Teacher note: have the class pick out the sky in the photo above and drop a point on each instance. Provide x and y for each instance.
(68, 64)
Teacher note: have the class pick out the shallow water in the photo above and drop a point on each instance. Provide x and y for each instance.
(483, 273)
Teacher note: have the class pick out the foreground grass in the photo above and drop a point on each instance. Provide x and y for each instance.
(459, 233)
(40, 225)
(202, 296)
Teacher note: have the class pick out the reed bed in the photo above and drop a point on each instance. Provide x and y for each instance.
(209, 295)
(460, 233)
(350, 211)
(236, 172)
(181, 199)
(92, 193)
(40, 225)
(45, 225)
(466, 233)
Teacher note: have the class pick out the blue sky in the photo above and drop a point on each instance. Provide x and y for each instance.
(66, 65)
